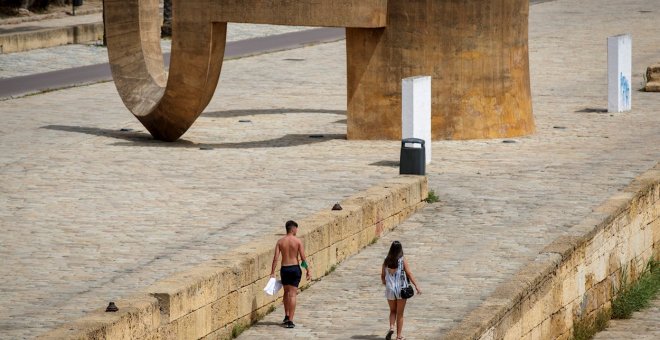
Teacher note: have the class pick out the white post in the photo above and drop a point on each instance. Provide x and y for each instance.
(619, 73)
(416, 111)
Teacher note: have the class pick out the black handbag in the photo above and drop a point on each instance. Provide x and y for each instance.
(407, 290)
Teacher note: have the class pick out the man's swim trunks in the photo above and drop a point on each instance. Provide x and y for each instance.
(290, 275)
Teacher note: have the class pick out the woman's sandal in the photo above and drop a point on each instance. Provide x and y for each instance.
(389, 334)
(400, 338)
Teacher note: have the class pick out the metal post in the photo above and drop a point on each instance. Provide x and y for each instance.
(416, 110)
(619, 73)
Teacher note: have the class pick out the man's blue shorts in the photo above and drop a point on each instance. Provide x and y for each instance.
(291, 275)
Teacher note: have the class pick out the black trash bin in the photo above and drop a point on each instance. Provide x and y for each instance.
(413, 159)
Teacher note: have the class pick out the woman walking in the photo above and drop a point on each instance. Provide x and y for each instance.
(395, 275)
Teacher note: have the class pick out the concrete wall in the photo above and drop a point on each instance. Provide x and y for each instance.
(573, 278)
(208, 301)
(49, 37)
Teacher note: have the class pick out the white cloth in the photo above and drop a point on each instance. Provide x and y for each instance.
(273, 286)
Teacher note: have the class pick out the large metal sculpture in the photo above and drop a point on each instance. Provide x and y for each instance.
(475, 50)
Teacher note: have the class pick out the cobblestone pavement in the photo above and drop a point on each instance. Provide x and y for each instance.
(644, 325)
(90, 213)
(68, 56)
(501, 203)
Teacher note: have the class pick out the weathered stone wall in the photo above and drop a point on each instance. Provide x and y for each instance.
(574, 277)
(51, 37)
(210, 300)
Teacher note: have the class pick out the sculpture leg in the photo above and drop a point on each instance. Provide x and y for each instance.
(166, 106)
(476, 52)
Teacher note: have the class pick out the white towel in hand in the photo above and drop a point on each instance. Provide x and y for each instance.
(273, 286)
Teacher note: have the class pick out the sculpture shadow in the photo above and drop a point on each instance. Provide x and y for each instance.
(391, 164)
(135, 138)
(592, 110)
(241, 113)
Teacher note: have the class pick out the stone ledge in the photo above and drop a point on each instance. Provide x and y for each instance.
(138, 314)
(653, 78)
(536, 302)
(209, 299)
(49, 37)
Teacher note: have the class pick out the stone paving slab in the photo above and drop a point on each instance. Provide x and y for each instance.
(503, 202)
(644, 325)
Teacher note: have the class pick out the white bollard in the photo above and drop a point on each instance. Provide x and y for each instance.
(416, 111)
(619, 73)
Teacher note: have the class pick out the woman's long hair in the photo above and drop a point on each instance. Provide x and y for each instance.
(393, 256)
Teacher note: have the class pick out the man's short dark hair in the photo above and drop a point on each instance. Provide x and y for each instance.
(289, 225)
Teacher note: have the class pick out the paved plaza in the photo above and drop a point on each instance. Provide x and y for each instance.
(93, 209)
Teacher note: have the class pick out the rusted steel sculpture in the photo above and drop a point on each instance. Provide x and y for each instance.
(475, 50)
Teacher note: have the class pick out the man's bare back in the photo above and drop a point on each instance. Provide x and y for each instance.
(290, 247)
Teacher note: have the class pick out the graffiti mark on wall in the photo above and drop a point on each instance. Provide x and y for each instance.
(625, 91)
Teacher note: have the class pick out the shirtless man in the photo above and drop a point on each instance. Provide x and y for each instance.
(290, 273)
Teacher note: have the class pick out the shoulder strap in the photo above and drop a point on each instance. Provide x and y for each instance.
(402, 272)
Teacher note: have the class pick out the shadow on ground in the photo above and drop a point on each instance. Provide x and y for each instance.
(135, 138)
(241, 113)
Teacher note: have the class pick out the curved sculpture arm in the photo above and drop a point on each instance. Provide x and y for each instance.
(166, 106)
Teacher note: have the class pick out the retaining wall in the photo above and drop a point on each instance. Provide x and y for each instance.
(576, 275)
(215, 298)
(49, 37)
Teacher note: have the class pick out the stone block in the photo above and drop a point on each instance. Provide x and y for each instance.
(319, 263)
(558, 322)
(366, 236)
(652, 78)
(204, 320)
(188, 291)
(546, 329)
(514, 332)
(315, 238)
(247, 299)
(563, 245)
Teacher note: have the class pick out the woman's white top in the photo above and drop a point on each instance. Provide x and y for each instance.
(394, 282)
